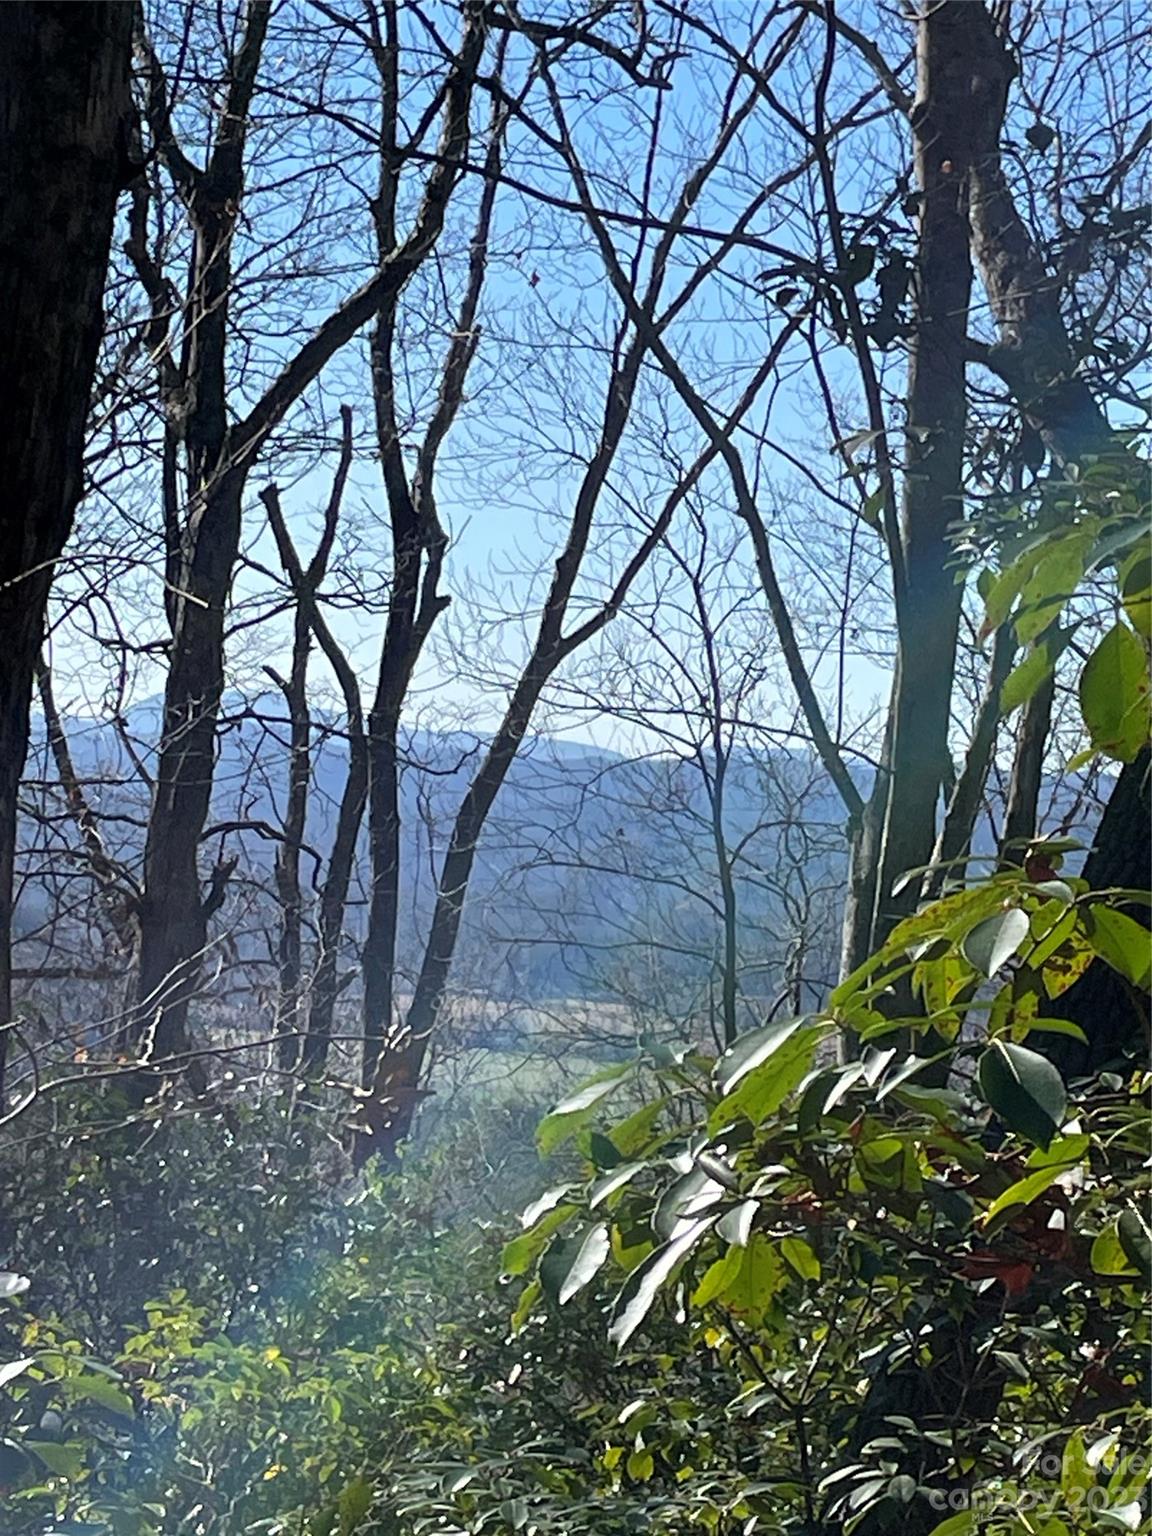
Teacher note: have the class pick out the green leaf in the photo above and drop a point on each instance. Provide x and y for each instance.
(956, 1525)
(1114, 694)
(546, 1202)
(1025, 1190)
(994, 941)
(1123, 943)
(950, 917)
(611, 1182)
(1024, 1089)
(14, 1368)
(555, 1263)
(1057, 1027)
(63, 1459)
(605, 1153)
(529, 1299)
(800, 1256)
(1136, 591)
(752, 1050)
(1064, 1152)
(1051, 583)
(1108, 1256)
(760, 1279)
(735, 1226)
(591, 1254)
(763, 1087)
(640, 1289)
(811, 1107)
(900, 1074)
(1136, 1239)
(574, 1112)
(520, 1254)
(640, 1466)
(717, 1278)
(902, 1488)
(1122, 1517)
(634, 1134)
(1004, 590)
(1076, 1476)
(94, 1388)
(686, 1197)
(1027, 675)
(872, 507)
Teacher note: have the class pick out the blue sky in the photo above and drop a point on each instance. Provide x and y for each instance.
(536, 388)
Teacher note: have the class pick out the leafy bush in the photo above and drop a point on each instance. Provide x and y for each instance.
(922, 1275)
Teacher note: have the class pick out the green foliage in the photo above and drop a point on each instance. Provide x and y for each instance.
(778, 1291)
(923, 1272)
(231, 1340)
(1093, 525)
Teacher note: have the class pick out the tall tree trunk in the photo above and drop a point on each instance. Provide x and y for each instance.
(173, 917)
(952, 91)
(419, 545)
(401, 646)
(65, 128)
(287, 867)
(173, 920)
(305, 586)
(1035, 358)
(334, 901)
(220, 457)
(341, 862)
(955, 841)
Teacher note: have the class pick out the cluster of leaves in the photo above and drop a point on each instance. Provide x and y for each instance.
(786, 1290)
(228, 1336)
(918, 1270)
(1089, 527)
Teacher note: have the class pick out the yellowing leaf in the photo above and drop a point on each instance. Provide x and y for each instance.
(1114, 694)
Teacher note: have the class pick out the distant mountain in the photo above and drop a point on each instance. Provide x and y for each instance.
(596, 876)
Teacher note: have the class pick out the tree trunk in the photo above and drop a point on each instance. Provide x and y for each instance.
(1112, 1014)
(955, 841)
(333, 902)
(1035, 358)
(313, 1051)
(287, 870)
(173, 917)
(65, 119)
(953, 90)
(173, 921)
(1023, 809)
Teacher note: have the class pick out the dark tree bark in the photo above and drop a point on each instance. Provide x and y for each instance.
(305, 584)
(1034, 356)
(1113, 1015)
(419, 545)
(342, 859)
(65, 131)
(955, 94)
(1023, 809)
(173, 917)
(173, 913)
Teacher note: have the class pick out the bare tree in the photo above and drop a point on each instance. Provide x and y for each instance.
(699, 873)
(219, 457)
